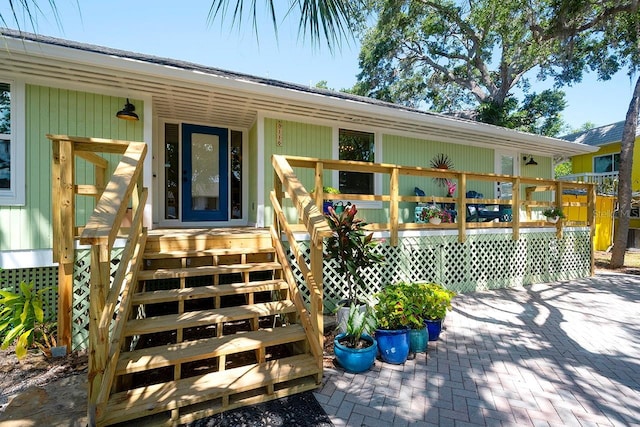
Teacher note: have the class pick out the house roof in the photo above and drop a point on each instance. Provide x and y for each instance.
(181, 90)
(600, 136)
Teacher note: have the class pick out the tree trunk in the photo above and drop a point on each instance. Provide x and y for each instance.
(624, 179)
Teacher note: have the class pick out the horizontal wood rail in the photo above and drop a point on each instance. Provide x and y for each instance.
(113, 199)
(526, 211)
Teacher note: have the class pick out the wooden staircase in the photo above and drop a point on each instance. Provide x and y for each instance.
(214, 327)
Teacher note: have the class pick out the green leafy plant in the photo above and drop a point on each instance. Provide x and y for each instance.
(358, 323)
(22, 320)
(393, 310)
(436, 300)
(417, 295)
(553, 212)
(330, 190)
(351, 247)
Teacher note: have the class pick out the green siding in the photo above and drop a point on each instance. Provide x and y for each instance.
(406, 151)
(58, 111)
(298, 139)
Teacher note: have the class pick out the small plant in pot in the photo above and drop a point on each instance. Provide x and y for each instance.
(355, 350)
(437, 301)
(553, 214)
(414, 310)
(353, 250)
(326, 203)
(392, 335)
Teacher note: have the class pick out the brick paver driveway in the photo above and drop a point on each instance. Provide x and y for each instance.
(564, 353)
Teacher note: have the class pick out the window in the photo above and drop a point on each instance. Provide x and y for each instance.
(5, 136)
(606, 163)
(356, 145)
(11, 151)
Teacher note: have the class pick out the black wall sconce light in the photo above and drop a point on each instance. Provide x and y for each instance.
(127, 113)
(530, 161)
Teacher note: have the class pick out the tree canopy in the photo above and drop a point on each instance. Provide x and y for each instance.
(470, 57)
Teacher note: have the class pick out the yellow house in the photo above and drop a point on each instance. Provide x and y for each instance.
(601, 167)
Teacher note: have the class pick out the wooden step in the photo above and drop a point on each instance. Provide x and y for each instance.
(193, 293)
(207, 252)
(177, 273)
(203, 239)
(227, 384)
(192, 319)
(189, 351)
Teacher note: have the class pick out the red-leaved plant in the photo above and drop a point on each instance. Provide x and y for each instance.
(351, 247)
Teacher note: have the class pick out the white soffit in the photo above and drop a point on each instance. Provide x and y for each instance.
(198, 96)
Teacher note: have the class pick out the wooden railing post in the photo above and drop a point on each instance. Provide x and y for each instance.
(559, 191)
(515, 208)
(277, 188)
(319, 172)
(393, 206)
(64, 240)
(462, 210)
(591, 220)
(317, 306)
(98, 340)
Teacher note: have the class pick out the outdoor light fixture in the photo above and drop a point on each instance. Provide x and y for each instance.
(529, 162)
(127, 113)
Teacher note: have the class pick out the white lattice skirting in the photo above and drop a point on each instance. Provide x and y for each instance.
(486, 260)
(489, 259)
(81, 285)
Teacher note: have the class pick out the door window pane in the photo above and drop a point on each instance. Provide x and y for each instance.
(5, 136)
(507, 167)
(356, 145)
(236, 174)
(205, 174)
(171, 170)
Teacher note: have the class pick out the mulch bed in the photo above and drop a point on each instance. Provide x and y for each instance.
(301, 409)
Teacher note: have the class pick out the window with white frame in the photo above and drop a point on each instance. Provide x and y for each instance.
(359, 146)
(606, 163)
(11, 152)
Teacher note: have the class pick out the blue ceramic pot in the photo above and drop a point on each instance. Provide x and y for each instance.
(418, 340)
(393, 345)
(434, 327)
(355, 360)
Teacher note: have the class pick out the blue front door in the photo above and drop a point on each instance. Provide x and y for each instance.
(205, 173)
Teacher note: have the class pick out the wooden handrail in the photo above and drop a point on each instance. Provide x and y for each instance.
(112, 206)
(463, 178)
(124, 189)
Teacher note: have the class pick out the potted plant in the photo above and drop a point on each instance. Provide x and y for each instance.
(353, 250)
(354, 349)
(392, 315)
(22, 321)
(553, 214)
(418, 335)
(434, 214)
(326, 203)
(437, 301)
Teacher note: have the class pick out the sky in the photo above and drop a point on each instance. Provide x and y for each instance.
(170, 29)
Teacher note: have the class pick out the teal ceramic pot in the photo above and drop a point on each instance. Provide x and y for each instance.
(355, 360)
(418, 340)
